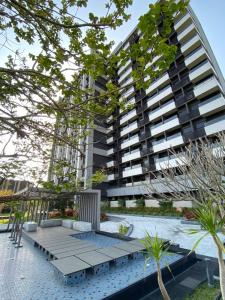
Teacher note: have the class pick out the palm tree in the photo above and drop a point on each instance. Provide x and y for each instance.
(156, 249)
(208, 215)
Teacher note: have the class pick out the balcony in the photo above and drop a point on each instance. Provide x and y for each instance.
(135, 170)
(181, 23)
(131, 156)
(110, 140)
(162, 110)
(111, 164)
(131, 103)
(129, 142)
(195, 57)
(124, 75)
(129, 80)
(111, 177)
(128, 92)
(109, 119)
(110, 129)
(200, 71)
(169, 162)
(122, 68)
(206, 87)
(212, 105)
(215, 125)
(128, 116)
(187, 33)
(163, 95)
(171, 142)
(153, 60)
(191, 45)
(110, 151)
(162, 127)
(131, 127)
(156, 84)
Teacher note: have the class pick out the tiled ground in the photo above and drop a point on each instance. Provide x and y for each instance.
(167, 228)
(26, 275)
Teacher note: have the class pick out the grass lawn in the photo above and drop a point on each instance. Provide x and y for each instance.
(203, 292)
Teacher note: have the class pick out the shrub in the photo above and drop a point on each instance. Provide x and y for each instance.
(6, 210)
(166, 205)
(54, 214)
(189, 215)
(123, 229)
(105, 204)
(121, 202)
(103, 217)
(140, 202)
(69, 212)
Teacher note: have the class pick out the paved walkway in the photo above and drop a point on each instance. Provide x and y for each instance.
(167, 228)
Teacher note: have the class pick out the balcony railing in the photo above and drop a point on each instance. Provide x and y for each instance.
(214, 126)
(129, 142)
(212, 105)
(132, 126)
(170, 142)
(206, 87)
(162, 127)
(162, 110)
(131, 156)
(163, 94)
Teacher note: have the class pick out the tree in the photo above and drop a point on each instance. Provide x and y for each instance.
(208, 216)
(40, 89)
(198, 176)
(156, 249)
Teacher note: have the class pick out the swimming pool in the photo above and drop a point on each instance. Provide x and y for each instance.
(97, 239)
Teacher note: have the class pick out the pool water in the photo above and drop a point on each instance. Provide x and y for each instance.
(99, 240)
(25, 274)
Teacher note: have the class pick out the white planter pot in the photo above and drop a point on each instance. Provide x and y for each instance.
(183, 204)
(151, 203)
(114, 204)
(131, 203)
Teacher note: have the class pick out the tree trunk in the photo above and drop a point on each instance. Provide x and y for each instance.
(161, 284)
(221, 269)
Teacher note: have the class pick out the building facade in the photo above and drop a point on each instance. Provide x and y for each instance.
(186, 103)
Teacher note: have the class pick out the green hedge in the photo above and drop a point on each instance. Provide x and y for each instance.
(154, 211)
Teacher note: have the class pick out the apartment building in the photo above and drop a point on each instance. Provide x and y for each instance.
(93, 153)
(186, 103)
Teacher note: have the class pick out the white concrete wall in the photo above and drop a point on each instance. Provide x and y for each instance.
(114, 204)
(151, 203)
(183, 204)
(131, 203)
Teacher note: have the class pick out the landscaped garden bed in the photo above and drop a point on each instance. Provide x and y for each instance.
(145, 211)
